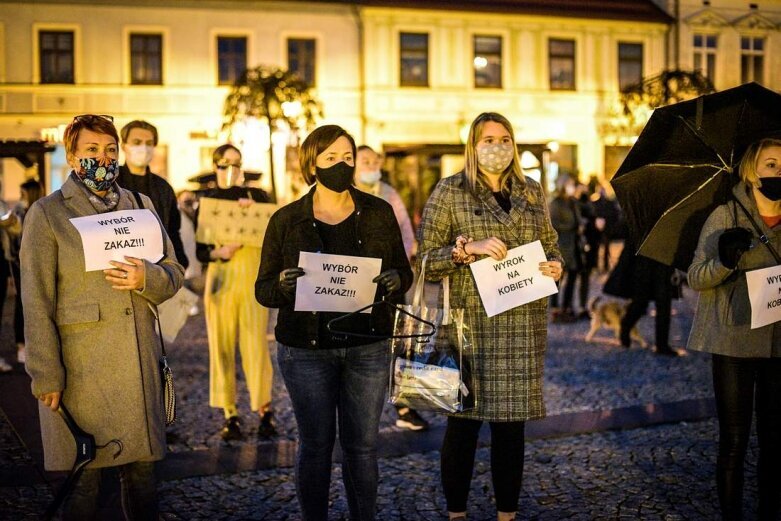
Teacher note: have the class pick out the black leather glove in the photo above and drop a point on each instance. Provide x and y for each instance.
(390, 280)
(733, 242)
(288, 279)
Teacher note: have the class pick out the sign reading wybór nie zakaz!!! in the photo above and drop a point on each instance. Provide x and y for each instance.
(336, 282)
(112, 236)
(513, 281)
(764, 293)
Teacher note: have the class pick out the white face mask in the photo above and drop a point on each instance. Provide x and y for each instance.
(140, 155)
(369, 178)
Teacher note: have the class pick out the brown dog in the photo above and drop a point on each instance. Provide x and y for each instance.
(608, 313)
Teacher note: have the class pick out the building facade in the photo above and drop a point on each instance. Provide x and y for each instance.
(405, 77)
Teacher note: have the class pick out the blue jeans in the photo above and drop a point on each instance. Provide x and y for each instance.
(345, 385)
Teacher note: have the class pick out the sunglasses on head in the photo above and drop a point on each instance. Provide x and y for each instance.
(88, 118)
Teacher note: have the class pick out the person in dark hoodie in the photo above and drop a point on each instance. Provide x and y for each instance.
(139, 140)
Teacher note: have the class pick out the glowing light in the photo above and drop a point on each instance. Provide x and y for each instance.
(481, 62)
(529, 160)
(553, 146)
(292, 109)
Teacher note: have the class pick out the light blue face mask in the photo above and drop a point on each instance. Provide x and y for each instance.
(370, 178)
(98, 173)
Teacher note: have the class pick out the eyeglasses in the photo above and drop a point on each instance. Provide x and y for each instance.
(225, 167)
(88, 118)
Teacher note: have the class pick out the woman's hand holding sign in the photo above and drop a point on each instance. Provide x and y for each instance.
(126, 276)
(551, 269)
(287, 280)
(492, 246)
(390, 280)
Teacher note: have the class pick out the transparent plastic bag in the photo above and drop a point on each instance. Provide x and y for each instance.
(431, 374)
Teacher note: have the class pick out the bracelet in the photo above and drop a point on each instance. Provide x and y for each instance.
(459, 255)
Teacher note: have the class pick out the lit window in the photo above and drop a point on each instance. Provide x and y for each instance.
(561, 54)
(414, 59)
(301, 58)
(146, 59)
(56, 56)
(231, 58)
(705, 55)
(630, 64)
(488, 61)
(752, 59)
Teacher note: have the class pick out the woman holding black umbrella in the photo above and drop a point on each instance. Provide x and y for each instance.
(746, 361)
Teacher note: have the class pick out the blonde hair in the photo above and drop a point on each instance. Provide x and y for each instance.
(748, 164)
(471, 169)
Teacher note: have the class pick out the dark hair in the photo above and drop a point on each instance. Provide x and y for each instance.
(34, 190)
(219, 152)
(137, 123)
(314, 145)
(93, 122)
(364, 148)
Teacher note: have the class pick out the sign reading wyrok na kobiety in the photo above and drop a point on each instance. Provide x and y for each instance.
(115, 235)
(221, 221)
(514, 280)
(336, 282)
(764, 293)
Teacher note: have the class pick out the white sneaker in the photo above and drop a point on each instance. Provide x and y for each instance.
(21, 355)
(4, 366)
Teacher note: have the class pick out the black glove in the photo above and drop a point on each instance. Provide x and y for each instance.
(287, 280)
(390, 280)
(733, 242)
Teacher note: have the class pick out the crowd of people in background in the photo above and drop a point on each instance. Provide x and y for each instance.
(349, 210)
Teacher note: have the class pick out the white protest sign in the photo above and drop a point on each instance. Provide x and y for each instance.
(114, 235)
(222, 221)
(764, 293)
(336, 282)
(513, 281)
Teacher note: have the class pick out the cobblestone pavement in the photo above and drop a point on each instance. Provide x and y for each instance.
(664, 472)
(660, 473)
(579, 376)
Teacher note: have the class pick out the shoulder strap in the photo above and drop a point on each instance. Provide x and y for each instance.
(762, 237)
(138, 199)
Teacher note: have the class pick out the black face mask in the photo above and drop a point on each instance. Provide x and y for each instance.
(771, 188)
(338, 177)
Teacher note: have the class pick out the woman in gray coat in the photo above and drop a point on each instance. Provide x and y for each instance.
(91, 337)
(746, 361)
(485, 210)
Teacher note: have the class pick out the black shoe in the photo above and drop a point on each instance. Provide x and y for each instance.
(624, 337)
(232, 429)
(669, 351)
(411, 420)
(584, 315)
(266, 428)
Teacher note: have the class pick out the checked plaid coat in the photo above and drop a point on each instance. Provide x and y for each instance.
(509, 348)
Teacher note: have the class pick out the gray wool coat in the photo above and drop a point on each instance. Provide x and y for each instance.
(509, 348)
(97, 345)
(722, 322)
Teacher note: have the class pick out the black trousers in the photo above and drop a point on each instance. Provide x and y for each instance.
(458, 459)
(656, 287)
(138, 487)
(18, 311)
(742, 385)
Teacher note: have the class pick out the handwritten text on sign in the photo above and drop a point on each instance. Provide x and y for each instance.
(221, 221)
(514, 280)
(336, 282)
(764, 293)
(114, 235)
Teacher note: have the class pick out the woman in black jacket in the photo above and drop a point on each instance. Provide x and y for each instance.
(332, 377)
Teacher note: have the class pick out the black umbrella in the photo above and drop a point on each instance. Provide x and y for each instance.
(684, 165)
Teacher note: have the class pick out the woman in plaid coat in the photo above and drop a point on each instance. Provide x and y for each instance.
(485, 210)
